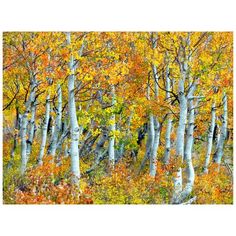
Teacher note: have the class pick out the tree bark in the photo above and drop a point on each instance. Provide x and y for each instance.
(24, 124)
(150, 137)
(44, 131)
(74, 128)
(58, 123)
(156, 140)
(169, 121)
(16, 134)
(210, 138)
(223, 133)
(188, 155)
(156, 124)
(180, 139)
(31, 130)
(168, 140)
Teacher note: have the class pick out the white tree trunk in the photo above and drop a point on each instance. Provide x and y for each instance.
(16, 135)
(210, 138)
(188, 155)
(31, 130)
(52, 124)
(220, 147)
(180, 139)
(155, 145)
(217, 135)
(24, 122)
(58, 123)
(168, 140)
(182, 121)
(66, 149)
(149, 142)
(111, 148)
(169, 122)
(44, 131)
(74, 128)
(155, 127)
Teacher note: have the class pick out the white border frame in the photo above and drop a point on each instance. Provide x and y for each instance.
(119, 15)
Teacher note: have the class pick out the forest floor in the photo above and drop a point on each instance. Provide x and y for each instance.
(50, 183)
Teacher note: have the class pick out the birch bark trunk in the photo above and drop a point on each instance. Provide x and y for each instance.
(16, 134)
(169, 122)
(58, 123)
(180, 140)
(156, 140)
(223, 133)
(150, 136)
(210, 138)
(31, 130)
(188, 155)
(74, 128)
(184, 73)
(44, 131)
(24, 124)
(156, 125)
